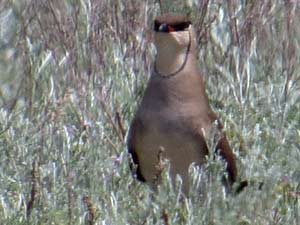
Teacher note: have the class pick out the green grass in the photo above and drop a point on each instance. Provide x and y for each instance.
(71, 76)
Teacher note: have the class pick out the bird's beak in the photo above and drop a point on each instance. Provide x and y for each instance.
(163, 28)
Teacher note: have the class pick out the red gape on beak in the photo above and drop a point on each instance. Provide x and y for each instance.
(171, 29)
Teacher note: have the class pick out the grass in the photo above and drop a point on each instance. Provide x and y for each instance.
(71, 75)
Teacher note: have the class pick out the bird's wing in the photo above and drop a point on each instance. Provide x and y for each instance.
(215, 131)
(131, 146)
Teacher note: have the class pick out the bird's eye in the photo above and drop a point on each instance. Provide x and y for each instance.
(182, 26)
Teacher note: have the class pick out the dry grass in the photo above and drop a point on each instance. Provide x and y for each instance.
(71, 74)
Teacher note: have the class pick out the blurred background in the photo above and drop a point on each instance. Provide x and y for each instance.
(71, 75)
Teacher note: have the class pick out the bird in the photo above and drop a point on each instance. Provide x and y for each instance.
(174, 119)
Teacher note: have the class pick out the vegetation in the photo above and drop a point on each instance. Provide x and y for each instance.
(71, 75)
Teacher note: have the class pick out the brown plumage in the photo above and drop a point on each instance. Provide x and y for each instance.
(174, 118)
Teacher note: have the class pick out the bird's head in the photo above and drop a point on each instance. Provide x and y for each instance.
(173, 33)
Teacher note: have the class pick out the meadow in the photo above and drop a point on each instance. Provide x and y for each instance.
(72, 73)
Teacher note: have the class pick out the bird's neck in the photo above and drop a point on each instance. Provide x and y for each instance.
(169, 61)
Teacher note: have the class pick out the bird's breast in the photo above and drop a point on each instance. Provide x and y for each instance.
(171, 140)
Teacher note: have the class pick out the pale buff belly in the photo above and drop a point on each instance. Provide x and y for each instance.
(181, 150)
